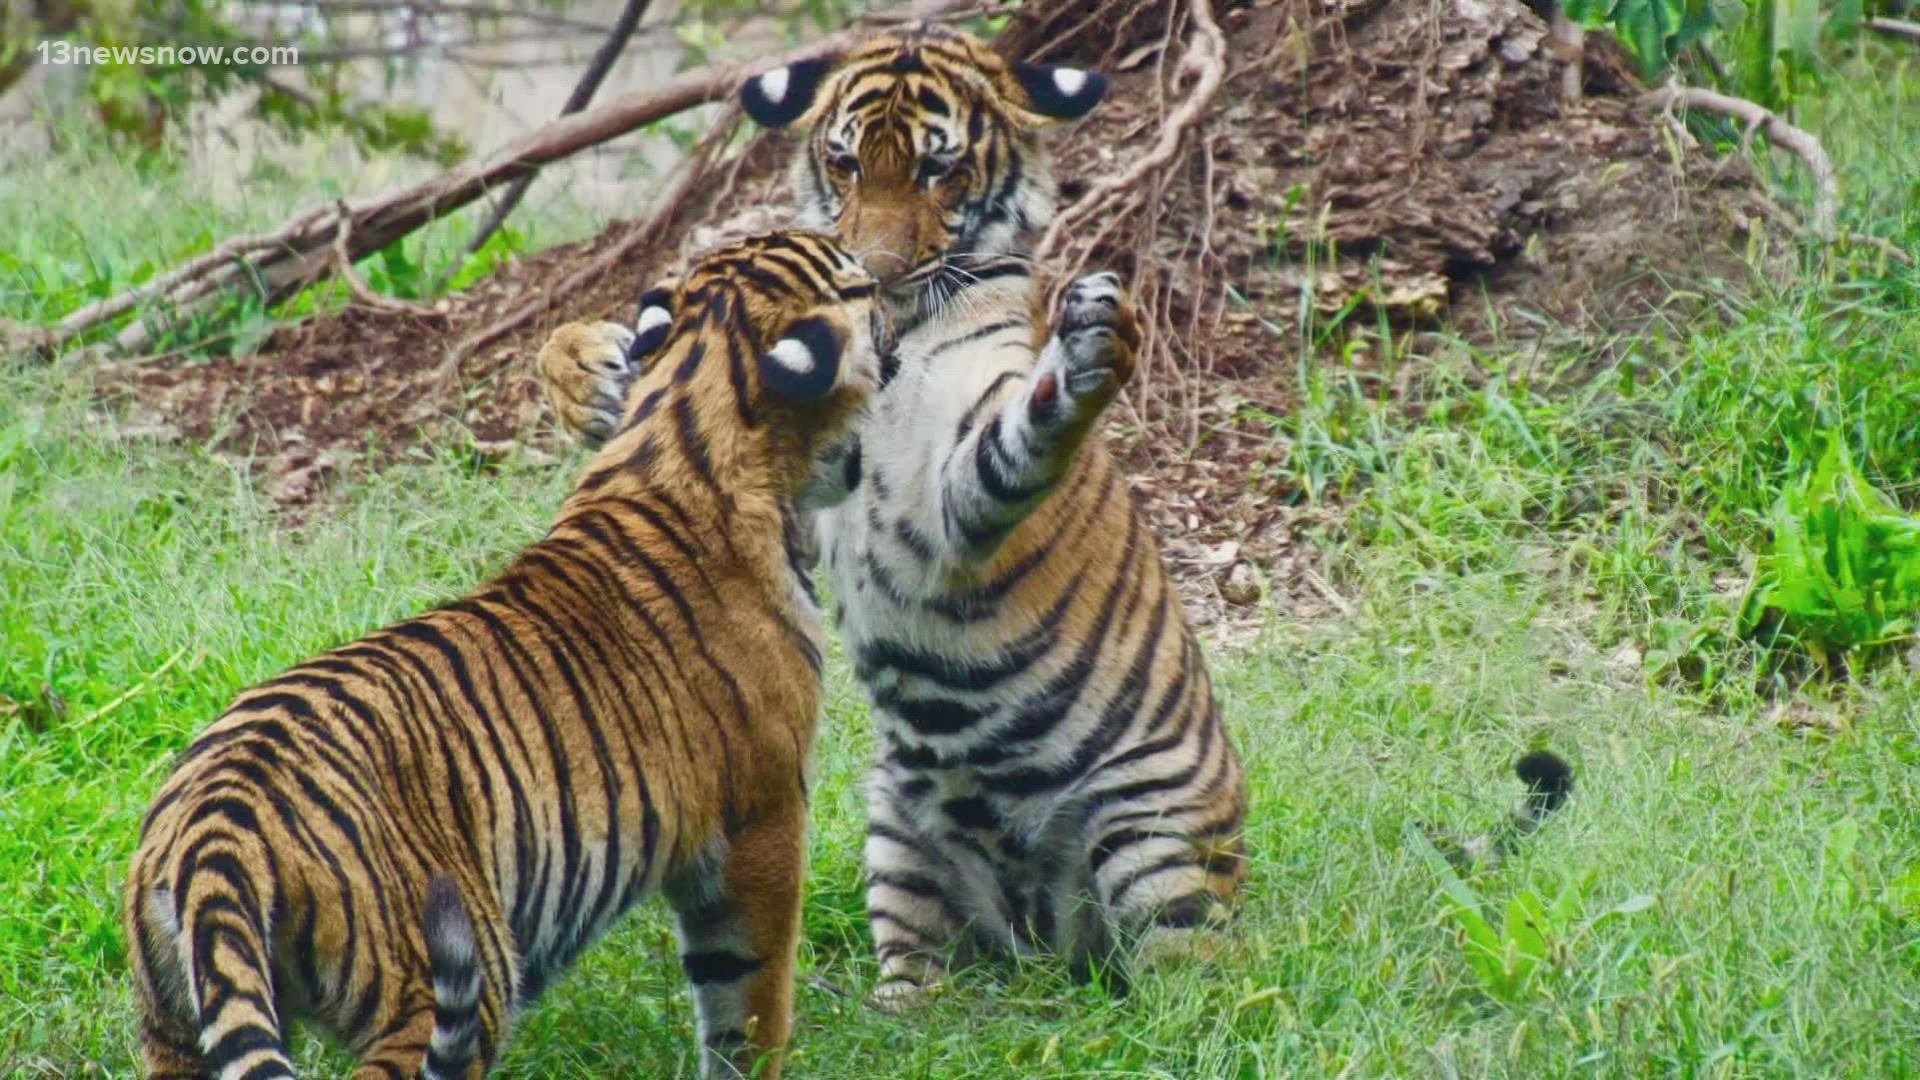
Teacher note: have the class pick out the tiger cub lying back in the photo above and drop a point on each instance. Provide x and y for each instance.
(406, 838)
(1052, 770)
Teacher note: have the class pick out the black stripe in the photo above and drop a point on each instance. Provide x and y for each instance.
(719, 966)
(986, 397)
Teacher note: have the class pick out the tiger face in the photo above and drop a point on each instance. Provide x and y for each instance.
(923, 147)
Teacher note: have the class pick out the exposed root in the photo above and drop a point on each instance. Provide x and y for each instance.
(695, 174)
(1130, 202)
(1758, 119)
(1205, 60)
(1797, 141)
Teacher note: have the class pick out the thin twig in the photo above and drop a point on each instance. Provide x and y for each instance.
(343, 266)
(132, 691)
(582, 95)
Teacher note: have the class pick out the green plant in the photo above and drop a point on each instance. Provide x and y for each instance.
(1536, 933)
(1656, 31)
(1842, 574)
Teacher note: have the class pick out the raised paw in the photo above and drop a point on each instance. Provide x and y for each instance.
(1092, 352)
(586, 368)
(585, 372)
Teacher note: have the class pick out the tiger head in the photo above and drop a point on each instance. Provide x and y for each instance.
(923, 147)
(774, 341)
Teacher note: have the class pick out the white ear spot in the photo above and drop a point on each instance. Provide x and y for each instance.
(793, 354)
(652, 318)
(1069, 81)
(773, 85)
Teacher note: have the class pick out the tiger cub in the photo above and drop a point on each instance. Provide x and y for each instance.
(1052, 770)
(405, 839)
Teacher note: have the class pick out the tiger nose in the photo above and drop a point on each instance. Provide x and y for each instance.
(886, 264)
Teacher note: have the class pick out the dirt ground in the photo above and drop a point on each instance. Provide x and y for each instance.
(1406, 164)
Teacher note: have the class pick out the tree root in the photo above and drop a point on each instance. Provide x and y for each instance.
(1824, 225)
(695, 172)
(1797, 141)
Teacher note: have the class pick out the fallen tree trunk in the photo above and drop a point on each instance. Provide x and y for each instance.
(279, 264)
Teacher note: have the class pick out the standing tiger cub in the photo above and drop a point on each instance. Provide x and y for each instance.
(408, 837)
(1052, 772)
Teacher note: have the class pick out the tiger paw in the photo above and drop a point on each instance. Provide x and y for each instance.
(1091, 354)
(585, 372)
(898, 995)
(1170, 946)
(586, 368)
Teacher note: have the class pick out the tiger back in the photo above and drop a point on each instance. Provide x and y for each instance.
(406, 838)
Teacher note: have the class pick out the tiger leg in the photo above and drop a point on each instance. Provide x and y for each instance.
(1024, 440)
(918, 923)
(170, 1054)
(739, 918)
(400, 1051)
(169, 1040)
(1167, 894)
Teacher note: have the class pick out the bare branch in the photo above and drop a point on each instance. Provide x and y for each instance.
(582, 95)
(1896, 28)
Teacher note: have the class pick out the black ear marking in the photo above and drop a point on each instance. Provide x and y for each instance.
(1063, 93)
(805, 363)
(781, 96)
(652, 322)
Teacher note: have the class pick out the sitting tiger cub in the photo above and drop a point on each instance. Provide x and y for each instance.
(408, 837)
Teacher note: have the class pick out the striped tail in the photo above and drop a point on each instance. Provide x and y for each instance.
(229, 967)
(455, 963)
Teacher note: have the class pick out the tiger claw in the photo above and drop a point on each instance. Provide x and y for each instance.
(585, 369)
(1091, 354)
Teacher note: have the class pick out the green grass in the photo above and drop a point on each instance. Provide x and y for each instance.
(1762, 951)
(1527, 561)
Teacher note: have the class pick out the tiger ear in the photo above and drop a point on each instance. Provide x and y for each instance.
(1057, 93)
(804, 365)
(651, 324)
(779, 97)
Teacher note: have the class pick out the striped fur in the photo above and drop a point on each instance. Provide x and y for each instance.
(406, 838)
(1053, 773)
